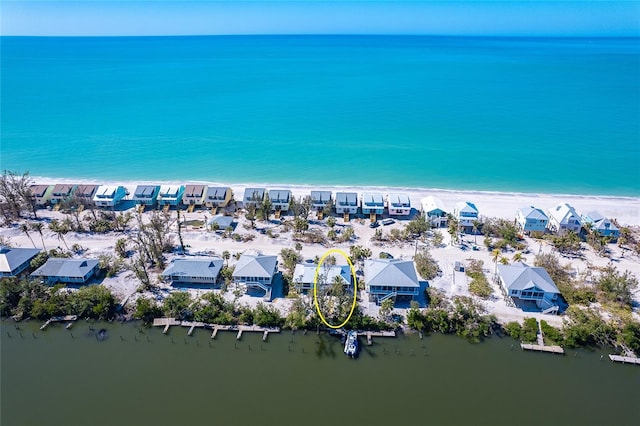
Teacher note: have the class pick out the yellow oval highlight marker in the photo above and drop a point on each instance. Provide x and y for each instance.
(315, 287)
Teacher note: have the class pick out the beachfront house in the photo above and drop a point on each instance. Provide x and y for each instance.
(434, 211)
(531, 219)
(14, 260)
(280, 199)
(67, 271)
(203, 271)
(398, 204)
(530, 287)
(321, 200)
(256, 271)
(346, 204)
(62, 193)
(170, 195)
(466, 213)
(41, 194)
(84, 193)
(146, 195)
(602, 225)
(109, 195)
(562, 218)
(390, 278)
(304, 274)
(372, 203)
(194, 195)
(253, 197)
(217, 197)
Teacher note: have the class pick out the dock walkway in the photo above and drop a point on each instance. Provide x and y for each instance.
(168, 322)
(541, 347)
(625, 359)
(59, 319)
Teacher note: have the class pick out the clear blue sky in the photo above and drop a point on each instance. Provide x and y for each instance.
(153, 17)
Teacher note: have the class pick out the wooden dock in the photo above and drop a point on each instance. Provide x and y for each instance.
(542, 348)
(65, 318)
(168, 322)
(625, 359)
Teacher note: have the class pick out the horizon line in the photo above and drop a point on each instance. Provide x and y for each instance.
(489, 36)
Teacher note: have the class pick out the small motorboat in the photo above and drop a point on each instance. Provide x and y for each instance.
(351, 344)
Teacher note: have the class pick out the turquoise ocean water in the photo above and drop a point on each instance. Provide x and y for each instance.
(498, 114)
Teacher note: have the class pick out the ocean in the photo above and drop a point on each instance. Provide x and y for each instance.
(541, 115)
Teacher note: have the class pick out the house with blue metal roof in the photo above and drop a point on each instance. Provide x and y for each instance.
(68, 271)
(531, 219)
(14, 260)
(197, 270)
(390, 278)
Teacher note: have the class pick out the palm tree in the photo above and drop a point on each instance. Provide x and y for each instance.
(226, 255)
(38, 226)
(60, 230)
(504, 260)
(25, 228)
(518, 257)
(475, 226)
(495, 255)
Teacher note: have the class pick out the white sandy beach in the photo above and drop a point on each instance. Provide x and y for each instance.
(201, 241)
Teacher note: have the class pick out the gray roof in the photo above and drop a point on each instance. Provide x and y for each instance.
(249, 194)
(321, 197)
(86, 190)
(305, 273)
(605, 224)
(207, 267)
(279, 195)
(62, 189)
(11, 258)
(346, 198)
(194, 191)
(533, 213)
(390, 272)
(222, 221)
(593, 216)
(38, 190)
(170, 191)
(217, 192)
(521, 276)
(563, 212)
(251, 265)
(57, 267)
(146, 191)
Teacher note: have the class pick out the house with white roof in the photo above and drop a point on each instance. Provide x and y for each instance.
(602, 225)
(170, 195)
(109, 196)
(372, 203)
(218, 197)
(62, 192)
(321, 200)
(14, 260)
(68, 271)
(434, 211)
(193, 195)
(527, 285)
(253, 197)
(466, 213)
(304, 274)
(386, 278)
(563, 217)
(194, 270)
(398, 204)
(346, 203)
(531, 219)
(256, 271)
(41, 194)
(85, 193)
(280, 199)
(146, 195)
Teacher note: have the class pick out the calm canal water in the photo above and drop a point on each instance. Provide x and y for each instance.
(139, 376)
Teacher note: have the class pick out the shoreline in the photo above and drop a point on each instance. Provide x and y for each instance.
(504, 205)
